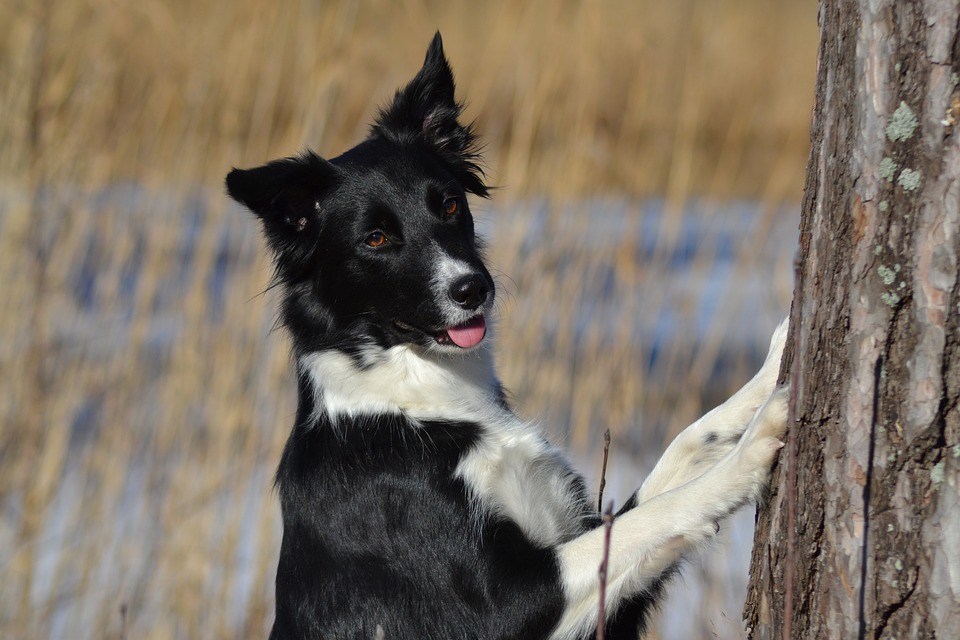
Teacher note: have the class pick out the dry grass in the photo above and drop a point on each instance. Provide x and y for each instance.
(572, 97)
(144, 400)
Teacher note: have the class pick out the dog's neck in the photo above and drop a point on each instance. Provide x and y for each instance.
(404, 379)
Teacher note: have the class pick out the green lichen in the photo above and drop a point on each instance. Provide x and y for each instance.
(884, 205)
(890, 299)
(877, 250)
(956, 451)
(898, 564)
(889, 528)
(887, 170)
(909, 179)
(937, 474)
(902, 285)
(886, 274)
(954, 79)
(902, 123)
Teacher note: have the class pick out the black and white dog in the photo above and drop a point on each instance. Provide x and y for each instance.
(415, 503)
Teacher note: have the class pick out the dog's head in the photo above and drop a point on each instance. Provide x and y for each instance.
(376, 247)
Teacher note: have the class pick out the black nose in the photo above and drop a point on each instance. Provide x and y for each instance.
(470, 291)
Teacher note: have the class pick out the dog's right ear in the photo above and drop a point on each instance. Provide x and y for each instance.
(285, 193)
(426, 111)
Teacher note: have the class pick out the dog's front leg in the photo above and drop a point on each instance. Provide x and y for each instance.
(648, 540)
(708, 439)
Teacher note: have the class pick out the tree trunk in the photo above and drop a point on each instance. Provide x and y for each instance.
(870, 531)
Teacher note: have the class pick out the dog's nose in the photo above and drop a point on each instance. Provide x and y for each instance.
(470, 291)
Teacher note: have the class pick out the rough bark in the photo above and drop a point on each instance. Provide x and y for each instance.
(875, 350)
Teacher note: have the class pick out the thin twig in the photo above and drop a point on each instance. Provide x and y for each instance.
(607, 527)
(603, 470)
(123, 621)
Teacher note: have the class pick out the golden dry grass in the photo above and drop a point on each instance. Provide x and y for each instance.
(144, 400)
(572, 97)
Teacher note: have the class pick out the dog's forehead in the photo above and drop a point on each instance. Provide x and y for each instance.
(380, 169)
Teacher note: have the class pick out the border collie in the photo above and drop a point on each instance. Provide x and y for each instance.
(416, 504)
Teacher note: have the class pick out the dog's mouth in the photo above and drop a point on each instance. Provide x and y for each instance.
(466, 335)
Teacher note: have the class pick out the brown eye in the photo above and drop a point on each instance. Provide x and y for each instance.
(451, 206)
(376, 239)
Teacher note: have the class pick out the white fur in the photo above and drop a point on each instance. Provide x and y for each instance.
(418, 382)
(515, 472)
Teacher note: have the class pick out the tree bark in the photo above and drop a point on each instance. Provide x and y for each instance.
(871, 531)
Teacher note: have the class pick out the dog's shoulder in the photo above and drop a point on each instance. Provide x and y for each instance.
(514, 472)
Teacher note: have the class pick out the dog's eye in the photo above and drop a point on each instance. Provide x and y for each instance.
(376, 239)
(451, 206)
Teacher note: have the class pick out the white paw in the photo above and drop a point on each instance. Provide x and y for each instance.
(721, 429)
(764, 437)
(766, 378)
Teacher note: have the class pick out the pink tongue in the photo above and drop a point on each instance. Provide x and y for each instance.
(468, 334)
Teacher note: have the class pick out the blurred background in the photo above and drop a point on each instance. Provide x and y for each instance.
(650, 157)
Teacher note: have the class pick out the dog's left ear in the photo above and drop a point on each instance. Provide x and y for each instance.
(426, 111)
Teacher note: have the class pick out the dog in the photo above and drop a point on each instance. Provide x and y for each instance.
(415, 503)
